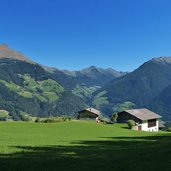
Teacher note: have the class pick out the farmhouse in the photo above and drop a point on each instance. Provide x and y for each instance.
(145, 119)
(89, 113)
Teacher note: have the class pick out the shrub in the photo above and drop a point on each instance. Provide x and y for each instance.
(69, 118)
(105, 120)
(54, 119)
(131, 124)
(4, 115)
(37, 120)
(64, 119)
(25, 118)
(114, 117)
(50, 120)
(169, 129)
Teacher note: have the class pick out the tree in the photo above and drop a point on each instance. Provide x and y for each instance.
(114, 117)
(131, 123)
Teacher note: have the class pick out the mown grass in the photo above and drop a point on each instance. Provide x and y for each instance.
(81, 146)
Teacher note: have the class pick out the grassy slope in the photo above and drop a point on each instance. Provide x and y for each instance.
(100, 99)
(44, 90)
(81, 146)
(84, 91)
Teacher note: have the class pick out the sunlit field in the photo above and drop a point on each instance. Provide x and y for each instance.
(81, 145)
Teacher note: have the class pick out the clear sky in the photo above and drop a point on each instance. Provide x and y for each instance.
(74, 34)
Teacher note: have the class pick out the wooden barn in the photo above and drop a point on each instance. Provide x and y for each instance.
(89, 113)
(145, 119)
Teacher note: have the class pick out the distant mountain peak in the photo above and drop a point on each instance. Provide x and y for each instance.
(92, 67)
(89, 69)
(162, 59)
(6, 52)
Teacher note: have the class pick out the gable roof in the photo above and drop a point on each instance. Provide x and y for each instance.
(143, 114)
(92, 110)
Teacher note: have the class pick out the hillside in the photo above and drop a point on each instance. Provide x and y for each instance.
(91, 79)
(27, 89)
(162, 103)
(86, 81)
(136, 89)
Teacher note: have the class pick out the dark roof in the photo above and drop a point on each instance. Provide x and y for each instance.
(92, 110)
(143, 114)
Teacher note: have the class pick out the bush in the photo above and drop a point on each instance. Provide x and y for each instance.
(4, 115)
(169, 129)
(131, 124)
(53, 119)
(69, 119)
(37, 120)
(114, 117)
(25, 118)
(104, 120)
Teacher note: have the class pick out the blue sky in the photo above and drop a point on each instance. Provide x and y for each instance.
(74, 34)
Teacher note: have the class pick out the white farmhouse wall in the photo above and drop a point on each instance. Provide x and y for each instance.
(144, 127)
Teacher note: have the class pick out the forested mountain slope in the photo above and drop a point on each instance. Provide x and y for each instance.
(27, 89)
(139, 87)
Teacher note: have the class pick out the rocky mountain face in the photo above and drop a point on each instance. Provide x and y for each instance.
(6, 52)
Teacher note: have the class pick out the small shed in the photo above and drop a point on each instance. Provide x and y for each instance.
(145, 119)
(89, 113)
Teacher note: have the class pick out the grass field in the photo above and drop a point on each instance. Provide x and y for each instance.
(81, 146)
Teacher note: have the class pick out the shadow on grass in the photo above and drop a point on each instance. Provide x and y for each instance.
(125, 127)
(118, 153)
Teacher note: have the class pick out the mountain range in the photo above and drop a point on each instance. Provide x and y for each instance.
(30, 89)
(85, 82)
(148, 86)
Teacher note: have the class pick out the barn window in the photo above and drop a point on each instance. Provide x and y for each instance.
(151, 123)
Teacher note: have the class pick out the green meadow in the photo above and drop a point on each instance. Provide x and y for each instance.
(81, 145)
